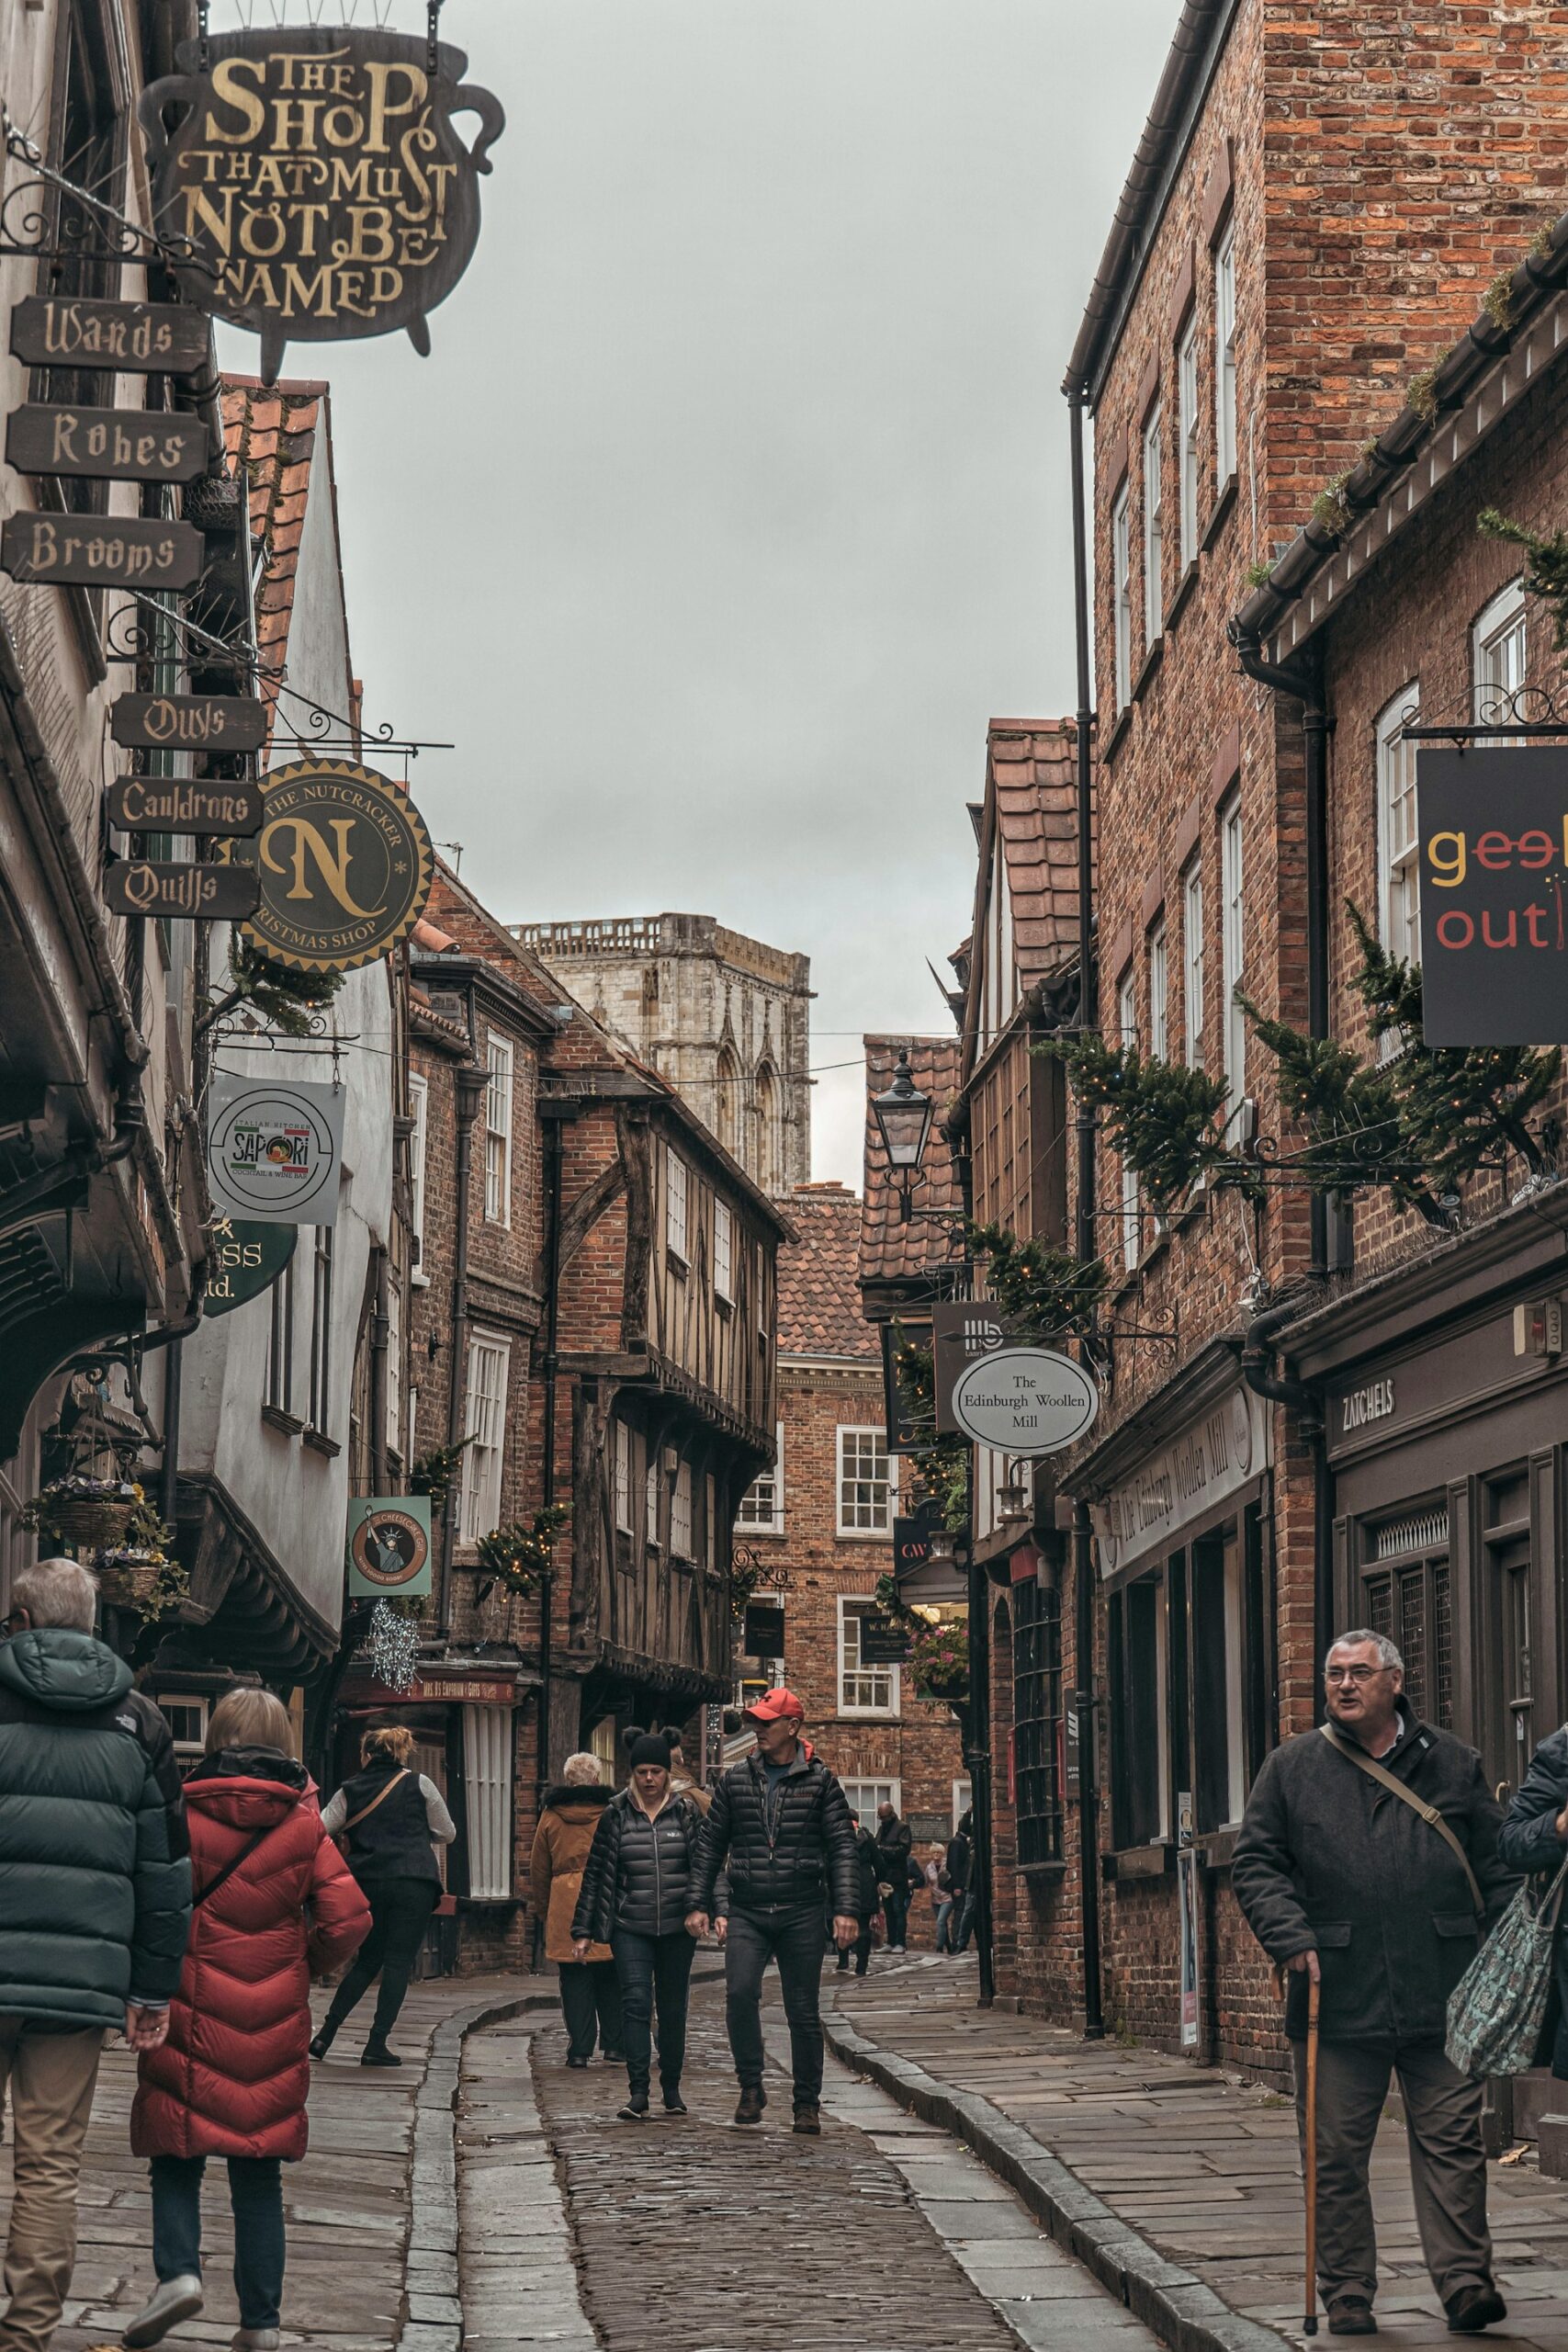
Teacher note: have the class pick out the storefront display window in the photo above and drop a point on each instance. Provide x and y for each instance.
(1037, 1721)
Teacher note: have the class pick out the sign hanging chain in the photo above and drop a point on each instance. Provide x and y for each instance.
(203, 29)
(433, 45)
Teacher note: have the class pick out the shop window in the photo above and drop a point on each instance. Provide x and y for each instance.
(487, 1785)
(1507, 1600)
(1405, 1596)
(1140, 1743)
(1219, 1661)
(1037, 1723)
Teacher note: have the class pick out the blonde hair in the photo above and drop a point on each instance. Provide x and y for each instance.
(250, 1718)
(581, 1771)
(392, 1741)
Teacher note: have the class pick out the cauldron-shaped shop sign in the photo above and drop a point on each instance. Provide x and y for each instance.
(317, 180)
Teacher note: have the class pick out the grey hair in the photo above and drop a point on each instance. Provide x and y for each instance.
(1387, 1654)
(56, 1592)
(581, 1771)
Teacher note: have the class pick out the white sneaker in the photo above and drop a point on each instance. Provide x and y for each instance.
(175, 2299)
(256, 2339)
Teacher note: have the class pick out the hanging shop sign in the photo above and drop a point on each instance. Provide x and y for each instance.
(908, 1432)
(161, 804)
(243, 1260)
(763, 1634)
(101, 552)
(274, 1149)
(131, 338)
(884, 1641)
(1216, 1456)
(916, 1574)
(319, 180)
(346, 867)
(388, 1546)
(1494, 848)
(189, 722)
(179, 892)
(963, 1331)
(106, 444)
(1025, 1401)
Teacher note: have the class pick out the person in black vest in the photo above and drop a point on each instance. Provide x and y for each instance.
(393, 1820)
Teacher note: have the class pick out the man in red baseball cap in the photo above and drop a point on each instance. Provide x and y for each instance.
(780, 1824)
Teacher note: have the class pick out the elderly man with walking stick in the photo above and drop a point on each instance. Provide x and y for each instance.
(1368, 1865)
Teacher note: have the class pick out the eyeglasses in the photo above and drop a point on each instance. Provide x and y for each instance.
(1351, 1673)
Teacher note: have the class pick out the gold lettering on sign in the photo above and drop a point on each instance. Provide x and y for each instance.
(307, 843)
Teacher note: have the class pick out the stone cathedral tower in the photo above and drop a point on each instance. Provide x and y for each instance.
(724, 1018)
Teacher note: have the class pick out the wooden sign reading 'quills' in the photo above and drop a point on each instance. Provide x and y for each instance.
(140, 886)
(100, 551)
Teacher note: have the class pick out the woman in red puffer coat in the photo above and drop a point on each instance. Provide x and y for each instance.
(274, 1904)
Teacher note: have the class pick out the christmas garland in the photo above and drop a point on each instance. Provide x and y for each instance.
(1166, 1120)
(1546, 572)
(516, 1556)
(285, 997)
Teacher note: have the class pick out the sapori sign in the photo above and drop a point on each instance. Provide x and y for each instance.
(1494, 847)
(1025, 1401)
(319, 180)
(346, 867)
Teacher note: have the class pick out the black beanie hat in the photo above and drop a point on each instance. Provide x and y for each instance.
(650, 1747)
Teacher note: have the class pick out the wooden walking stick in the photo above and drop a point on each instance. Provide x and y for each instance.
(1309, 2324)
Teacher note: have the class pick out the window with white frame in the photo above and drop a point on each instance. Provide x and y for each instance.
(1192, 965)
(1154, 525)
(865, 1483)
(763, 1505)
(1399, 873)
(863, 1690)
(1224, 355)
(962, 1801)
(1499, 651)
(680, 1514)
(1121, 593)
(1232, 912)
(394, 1365)
(498, 1130)
(724, 1252)
(479, 1511)
(1187, 398)
(864, 1796)
(676, 1188)
(1127, 1024)
(419, 1118)
(186, 1719)
(650, 1502)
(1159, 994)
(623, 1478)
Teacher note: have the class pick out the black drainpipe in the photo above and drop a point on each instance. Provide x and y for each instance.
(1088, 1018)
(472, 1084)
(381, 1333)
(553, 1111)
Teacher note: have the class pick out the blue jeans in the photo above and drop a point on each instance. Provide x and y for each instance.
(646, 1965)
(945, 1911)
(255, 2192)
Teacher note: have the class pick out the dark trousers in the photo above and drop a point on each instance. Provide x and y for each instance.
(255, 2192)
(653, 1968)
(794, 1940)
(590, 2003)
(400, 1914)
(860, 1948)
(1447, 2163)
(895, 1905)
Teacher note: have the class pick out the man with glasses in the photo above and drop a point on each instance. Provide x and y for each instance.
(1350, 1883)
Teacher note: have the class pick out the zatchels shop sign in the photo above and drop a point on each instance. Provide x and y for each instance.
(318, 180)
(1494, 843)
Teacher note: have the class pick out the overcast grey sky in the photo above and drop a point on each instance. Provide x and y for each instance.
(732, 501)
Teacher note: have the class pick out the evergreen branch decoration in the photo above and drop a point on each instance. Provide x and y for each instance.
(433, 1471)
(281, 995)
(941, 1465)
(1165, 1119)
(1546, 569)
(1044, 1293)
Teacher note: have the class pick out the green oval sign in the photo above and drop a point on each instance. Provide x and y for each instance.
(246, 1259)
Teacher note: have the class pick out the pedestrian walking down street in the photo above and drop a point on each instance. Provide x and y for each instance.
(781, 1825)
(1342, 1879)
(636, 1893)
(393, 1820)
(868, 1899)
(1534, 1837)
(95, 1914)
(953, 1884)
(274, 1902)
(895, 1842)
(590, 1995)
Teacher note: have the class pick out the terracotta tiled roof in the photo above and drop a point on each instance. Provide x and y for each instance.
(890, 1252)
(819, 1305)
(1032, 769)
(272, 430)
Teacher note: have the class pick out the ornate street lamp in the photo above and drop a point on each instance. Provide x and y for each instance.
(903, 1116)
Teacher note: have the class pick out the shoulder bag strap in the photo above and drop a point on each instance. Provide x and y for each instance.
(230, 1866)
(380, 1798)
(1406, 1795)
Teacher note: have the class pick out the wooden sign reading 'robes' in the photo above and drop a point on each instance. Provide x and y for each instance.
(106, 444)
(189, 722)
(101, 552)
(140, 886)
(131, 338)
(316, 174)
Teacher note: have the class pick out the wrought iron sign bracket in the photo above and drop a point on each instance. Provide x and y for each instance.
(102, 233)
(1490, 715)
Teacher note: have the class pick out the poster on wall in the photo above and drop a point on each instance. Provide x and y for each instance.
(274, 1149)
(388, 1546)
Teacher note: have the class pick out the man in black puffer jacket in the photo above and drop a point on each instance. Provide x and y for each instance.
(781, 1824)
(96, 1863)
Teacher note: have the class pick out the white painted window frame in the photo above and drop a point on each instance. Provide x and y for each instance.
(484, 1457)
(872, 1531)
(1121, 594)
(1224, 355)
(1153, 525)
(849, 1606)
(419, 1129)
(1189, 426)
(1232, 915)
(501, 1062)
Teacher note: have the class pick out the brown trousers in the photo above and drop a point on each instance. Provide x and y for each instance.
(1447, 2164)
(51, 2078)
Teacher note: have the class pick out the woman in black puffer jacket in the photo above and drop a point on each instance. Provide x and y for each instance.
(636, 1895)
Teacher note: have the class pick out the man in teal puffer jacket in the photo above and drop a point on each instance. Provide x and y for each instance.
(95, 1865)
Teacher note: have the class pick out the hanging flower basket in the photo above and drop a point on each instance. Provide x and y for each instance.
(130, 1579)
(939, 1661)
(92, 1514)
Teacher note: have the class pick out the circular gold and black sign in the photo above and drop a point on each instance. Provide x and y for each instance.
(390, 1548)
(346, 867)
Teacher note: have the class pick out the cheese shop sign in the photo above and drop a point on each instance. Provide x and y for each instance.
(319, 179)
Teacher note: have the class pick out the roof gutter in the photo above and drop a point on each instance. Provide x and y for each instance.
(1200, 31)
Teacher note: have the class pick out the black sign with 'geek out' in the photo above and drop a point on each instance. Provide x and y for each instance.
(1494, 858)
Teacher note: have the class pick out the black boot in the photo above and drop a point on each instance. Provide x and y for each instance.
(635, 2110)
(323, 2041)
(375, 2053)
(754, 2099)
(673, 2103)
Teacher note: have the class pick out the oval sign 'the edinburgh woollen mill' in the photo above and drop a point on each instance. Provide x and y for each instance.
(319, 180)
(346, 865)
(1025, 1401)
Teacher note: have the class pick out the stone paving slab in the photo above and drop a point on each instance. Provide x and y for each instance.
(1198, 2169)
